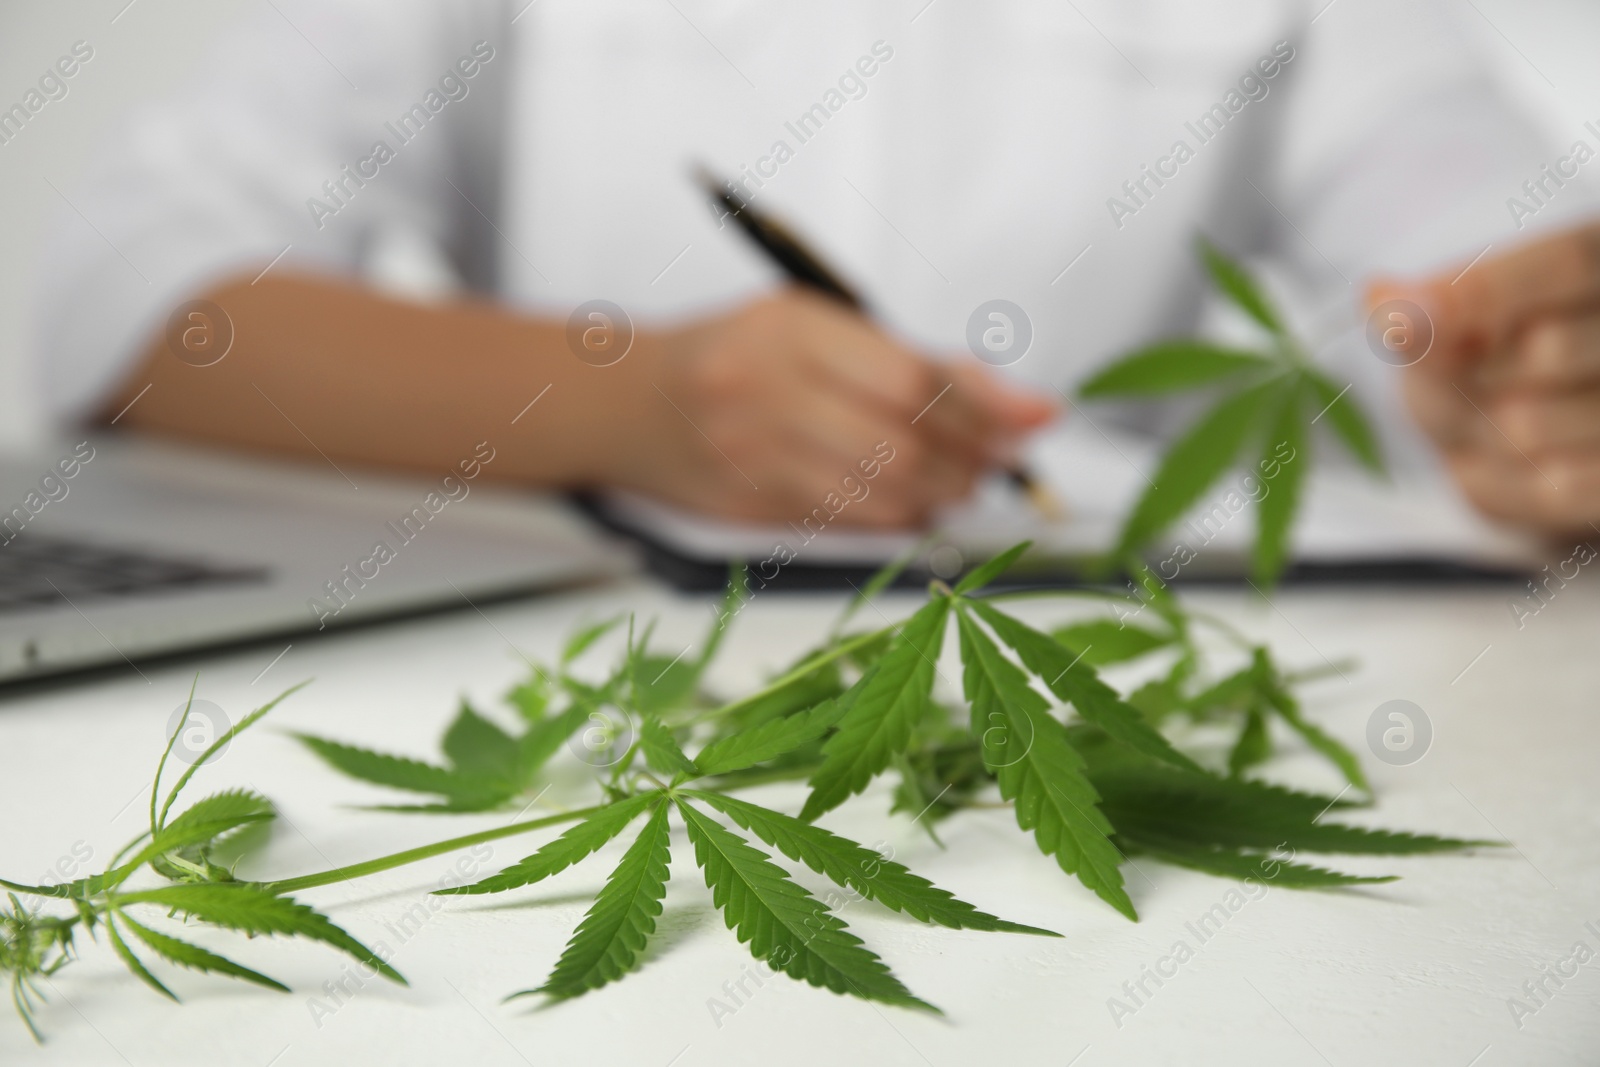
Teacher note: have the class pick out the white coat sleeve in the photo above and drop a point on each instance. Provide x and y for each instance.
(287, 113)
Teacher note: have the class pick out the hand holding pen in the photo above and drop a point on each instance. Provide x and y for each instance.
(981, 409)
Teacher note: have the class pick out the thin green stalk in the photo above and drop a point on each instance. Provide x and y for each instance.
(1314, 673)
(753, 778)
(215, 746)
(1224, 627)
(810, 665)
(155, 787)
(412, 855)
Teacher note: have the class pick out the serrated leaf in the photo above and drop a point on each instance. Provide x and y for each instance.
(985, 573)
(173, 837)
(781, 922)
(531, 698)
(1289, 448)
(1194, 462)
(577, 843)
(222, 813)
(885, 707)
(134, 963)
(480, 749)
(1038, 769)
(465, 806)
(157, 821)
(939, 778)
(1284, 703)
(850, 866)
(243, 907)
(1156, 699)
(399, 772)
(734, 597)
(661, 684)
(1104, 642)
(797, 689)
(1237, 285)
(1253, 746)
(1076, 683)
(542, 739)
(196, 958)
(1171, 366)
(1154, 801)
(769, 740)
(613, 932)
(865, 656)
(579, 642)
(1339, 407)
(661, 751)
(1264, 869)
(1233, 693)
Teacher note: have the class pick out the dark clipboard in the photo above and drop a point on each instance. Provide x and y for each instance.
(690, 574)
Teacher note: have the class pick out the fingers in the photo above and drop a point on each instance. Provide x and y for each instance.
(1542, 423)
(1476, 309)
(793, 395)
(1562, 497)
(1015, 410)
(1556, 351)
(896, 476)
(1443, 410)
(981, 412)
(846, 350)
(1542, 393)
(919, 478)
(963, 404)
(1529, 457)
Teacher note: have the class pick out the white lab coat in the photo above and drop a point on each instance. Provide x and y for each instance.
(941, 154)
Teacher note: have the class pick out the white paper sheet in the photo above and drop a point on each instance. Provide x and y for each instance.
(1347, 516)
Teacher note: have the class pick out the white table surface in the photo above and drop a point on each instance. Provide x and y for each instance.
(1415, 972)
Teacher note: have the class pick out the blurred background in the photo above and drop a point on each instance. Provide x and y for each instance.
(146, 48)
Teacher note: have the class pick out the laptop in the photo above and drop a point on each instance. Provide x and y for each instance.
(117, 550)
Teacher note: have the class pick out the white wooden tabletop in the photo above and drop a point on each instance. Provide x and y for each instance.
(1421, 971)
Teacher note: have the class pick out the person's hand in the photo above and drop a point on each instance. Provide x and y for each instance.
(1509, 388)
(793, 403)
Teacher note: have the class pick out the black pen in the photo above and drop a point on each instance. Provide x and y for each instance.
(804, 268)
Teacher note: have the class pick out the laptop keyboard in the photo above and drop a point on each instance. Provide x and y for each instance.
(37, 570)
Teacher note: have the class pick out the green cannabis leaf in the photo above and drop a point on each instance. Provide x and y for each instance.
(850, 866)
(1268, 403)
(882, 711)
(783, 923)
(613, 933)
(184, 851)
(1089, 771)
(1037, 768)
(489, 767)
(575, 844)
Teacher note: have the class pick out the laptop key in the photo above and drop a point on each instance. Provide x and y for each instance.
(37, 570)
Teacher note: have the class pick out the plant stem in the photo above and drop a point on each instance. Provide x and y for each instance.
(1224, 627)
(1311, 674)
(755, 777)
(412, 855)
(809, 666)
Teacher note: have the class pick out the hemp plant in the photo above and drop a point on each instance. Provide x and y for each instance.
(1087, 771)
(1091, 774)
(1268, 401)
(180, 852)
